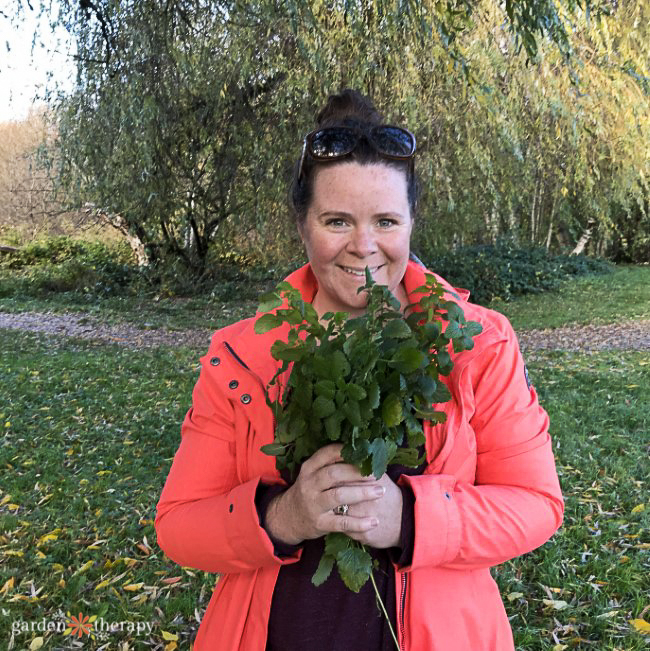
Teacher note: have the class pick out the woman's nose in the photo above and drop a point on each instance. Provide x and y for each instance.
(362, 242)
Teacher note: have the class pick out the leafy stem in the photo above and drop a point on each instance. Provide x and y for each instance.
(383, 607)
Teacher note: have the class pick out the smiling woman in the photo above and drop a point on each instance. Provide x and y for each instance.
(359, 217)
(487, 490)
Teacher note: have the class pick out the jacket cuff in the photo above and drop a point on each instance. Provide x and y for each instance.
(402, 556)
(436, 519)
(251, 542)
(263, 497)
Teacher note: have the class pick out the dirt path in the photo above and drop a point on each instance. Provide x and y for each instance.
(630, 335)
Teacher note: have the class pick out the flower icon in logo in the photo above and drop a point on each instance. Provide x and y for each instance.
(80, 625)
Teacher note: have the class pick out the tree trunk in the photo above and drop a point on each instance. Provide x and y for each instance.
(119, 223)
(550, 226)
(584, 238)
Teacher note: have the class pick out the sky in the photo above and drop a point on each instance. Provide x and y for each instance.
(23, 69)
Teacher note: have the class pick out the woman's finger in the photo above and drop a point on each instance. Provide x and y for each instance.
(337, 474)
(346, 494)
(348, 524)
(326, 456)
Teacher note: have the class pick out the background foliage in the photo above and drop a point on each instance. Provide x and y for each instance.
(187, 117)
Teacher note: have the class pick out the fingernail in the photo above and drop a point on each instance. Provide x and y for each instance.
(380, 490)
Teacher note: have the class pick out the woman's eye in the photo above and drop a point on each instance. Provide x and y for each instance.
(336, 223)
(386, 223)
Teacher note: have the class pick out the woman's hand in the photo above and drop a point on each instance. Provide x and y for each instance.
(306, 509)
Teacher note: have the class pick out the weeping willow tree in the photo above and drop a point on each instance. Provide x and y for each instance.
(531, 116)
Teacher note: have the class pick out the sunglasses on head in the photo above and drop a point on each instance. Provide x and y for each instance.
(331, 143)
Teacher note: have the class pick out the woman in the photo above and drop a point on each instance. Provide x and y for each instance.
(487, 492)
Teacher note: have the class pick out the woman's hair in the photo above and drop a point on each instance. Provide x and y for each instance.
(350, 109)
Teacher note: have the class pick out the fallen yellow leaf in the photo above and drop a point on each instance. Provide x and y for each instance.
(515, 595)
(46, 538)
(37, 643)
(560, 647)
(102, 584)
(558, 604)
(169, 637)
(133, 586)
(9, 584)
(86, 566)
(172, 646)
(638, 508)
(641, 626)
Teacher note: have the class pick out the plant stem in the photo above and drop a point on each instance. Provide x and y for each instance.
(383, 608)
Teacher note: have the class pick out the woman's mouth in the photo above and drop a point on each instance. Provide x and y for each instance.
(359, 272)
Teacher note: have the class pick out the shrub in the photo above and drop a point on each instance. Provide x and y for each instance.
(62, 264)
(505, 271)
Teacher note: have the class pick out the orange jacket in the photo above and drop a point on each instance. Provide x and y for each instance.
(489, 493)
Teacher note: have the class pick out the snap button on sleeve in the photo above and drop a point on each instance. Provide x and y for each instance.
(233, 384)
(246, 398)
(231, 507)
(215, 361)
(447, 495)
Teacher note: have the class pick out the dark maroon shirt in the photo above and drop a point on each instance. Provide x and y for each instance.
(330, 616)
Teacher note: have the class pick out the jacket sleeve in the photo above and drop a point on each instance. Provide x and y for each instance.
(515, 504)
(206, 518)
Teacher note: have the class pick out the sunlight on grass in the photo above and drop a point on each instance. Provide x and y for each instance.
(620, 296)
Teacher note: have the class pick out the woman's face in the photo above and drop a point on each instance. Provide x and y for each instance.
(359, 217)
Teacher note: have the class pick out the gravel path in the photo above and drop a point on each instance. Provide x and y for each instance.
(630, 335)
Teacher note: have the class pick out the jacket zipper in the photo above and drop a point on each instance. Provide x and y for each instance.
(402, 606)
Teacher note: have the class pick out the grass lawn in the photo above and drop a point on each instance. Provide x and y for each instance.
(89, 433)
(620, 296)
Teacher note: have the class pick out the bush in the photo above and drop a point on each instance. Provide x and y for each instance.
(62, 264)
(505, 271)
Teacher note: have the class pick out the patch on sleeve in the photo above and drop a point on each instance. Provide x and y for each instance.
(528, 382)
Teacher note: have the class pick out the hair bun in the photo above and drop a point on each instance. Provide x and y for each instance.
(347, 108)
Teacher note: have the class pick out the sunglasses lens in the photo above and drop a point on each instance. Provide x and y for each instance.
(394, 141)
(332, 143)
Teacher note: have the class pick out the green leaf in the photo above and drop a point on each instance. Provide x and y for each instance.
(356, 455)
(335, 543)
(340, 367)
(323, 407)
(333, 427)
(444, 362)
(274, 449)
(325, 388)
(323, 570)
(354, 566)
(453, 330)
(408, 359)
(441, 394)
(351, 410)
(472, 329)
(373, 395)
(267, 322)
(355, 392)
(397, 329)
(407, 457)
(391, 410)
(285, 352)
(382, 452)
(269, 301)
